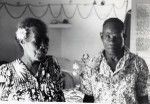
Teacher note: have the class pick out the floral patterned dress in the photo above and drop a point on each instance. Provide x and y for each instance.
(122, 86)
(21, 85)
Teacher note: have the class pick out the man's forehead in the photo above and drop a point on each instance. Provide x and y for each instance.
(110, 27)
(109, 24)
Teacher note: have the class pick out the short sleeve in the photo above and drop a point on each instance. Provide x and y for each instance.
(3, 71)
(142, 78)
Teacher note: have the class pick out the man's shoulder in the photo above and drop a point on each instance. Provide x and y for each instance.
(140, 63)
(137, 57)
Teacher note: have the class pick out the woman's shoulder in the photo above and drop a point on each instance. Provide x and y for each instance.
(3, 68)
(51, 59)
(53, 66)
(6, 69)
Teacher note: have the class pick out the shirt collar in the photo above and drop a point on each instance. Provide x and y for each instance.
(126, 52)
(121, 62)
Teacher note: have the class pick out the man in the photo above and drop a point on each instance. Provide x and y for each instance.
(116, 76)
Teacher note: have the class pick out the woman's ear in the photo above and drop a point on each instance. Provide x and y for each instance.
(22, 42)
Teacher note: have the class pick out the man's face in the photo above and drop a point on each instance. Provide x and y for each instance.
(112, 38)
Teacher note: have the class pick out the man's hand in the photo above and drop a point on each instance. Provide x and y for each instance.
(143, 100)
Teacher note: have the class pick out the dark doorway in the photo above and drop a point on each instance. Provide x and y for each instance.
(127, 24)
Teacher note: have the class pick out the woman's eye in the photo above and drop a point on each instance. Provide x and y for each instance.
(36, 44)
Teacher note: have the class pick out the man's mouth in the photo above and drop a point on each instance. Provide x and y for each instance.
(110, 44)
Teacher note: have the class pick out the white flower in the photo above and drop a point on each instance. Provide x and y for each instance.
(75, 66)
(91, 62)
(76, 69)
(21, 33)
(74, 73)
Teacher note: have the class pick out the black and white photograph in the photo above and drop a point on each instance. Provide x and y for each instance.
(75, 51)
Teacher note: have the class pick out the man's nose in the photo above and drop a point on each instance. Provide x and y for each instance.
(112, 37)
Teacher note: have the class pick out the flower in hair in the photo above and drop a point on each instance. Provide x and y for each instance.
(21, 33)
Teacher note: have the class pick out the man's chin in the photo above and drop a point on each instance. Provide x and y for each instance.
(113, 49)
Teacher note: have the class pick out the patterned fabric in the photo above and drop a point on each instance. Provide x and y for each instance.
(20, 84)
(122, 86)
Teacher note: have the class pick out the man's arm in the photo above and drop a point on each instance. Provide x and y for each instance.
(143, 100)
(141, 84)
(86, 84)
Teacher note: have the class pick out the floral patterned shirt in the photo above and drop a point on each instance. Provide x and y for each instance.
(21, 85)
(122, 86)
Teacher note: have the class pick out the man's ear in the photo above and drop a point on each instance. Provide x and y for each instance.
(124, 35)
(101, 34)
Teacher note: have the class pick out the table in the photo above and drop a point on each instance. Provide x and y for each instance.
(73, 95)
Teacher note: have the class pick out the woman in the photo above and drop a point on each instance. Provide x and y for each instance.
(34, 76)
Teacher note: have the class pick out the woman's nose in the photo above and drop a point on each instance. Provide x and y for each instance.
(43, 46)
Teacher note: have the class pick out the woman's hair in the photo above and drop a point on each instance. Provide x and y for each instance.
(39, 25)
(34, 22)
(36, 25)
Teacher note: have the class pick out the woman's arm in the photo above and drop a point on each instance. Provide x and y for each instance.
(59, 95)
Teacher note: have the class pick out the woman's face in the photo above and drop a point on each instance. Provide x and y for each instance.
(35, 46)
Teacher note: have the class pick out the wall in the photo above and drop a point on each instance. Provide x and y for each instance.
(71, 43)
(9, 49)
(84, 36)
(141, 29)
